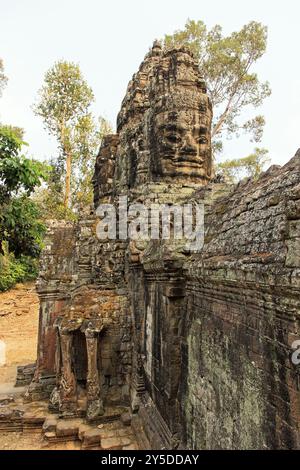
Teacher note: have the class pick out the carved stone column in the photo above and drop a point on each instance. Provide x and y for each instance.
(94, 399)
(68, 387)
(54, 400)
(137, 382)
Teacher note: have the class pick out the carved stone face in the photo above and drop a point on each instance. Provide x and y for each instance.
(104, 168)
(179, 140)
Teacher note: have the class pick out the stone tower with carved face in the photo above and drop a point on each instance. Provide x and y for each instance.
(164, 126)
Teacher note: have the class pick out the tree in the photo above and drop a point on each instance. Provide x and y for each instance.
(19, 215)
(250, 166)
(3, 78)
(87, 139)
(64, 104)
(226, 63)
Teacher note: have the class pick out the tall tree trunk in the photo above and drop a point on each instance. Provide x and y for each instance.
(68, 180)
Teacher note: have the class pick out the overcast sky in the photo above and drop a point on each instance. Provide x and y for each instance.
(109, 40)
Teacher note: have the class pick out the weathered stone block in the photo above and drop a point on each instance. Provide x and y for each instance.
(92, 437)
(294, 229)
(112, 443)
(126, 419)
(293, 253)
(67, 428)
(171, 291)
(50, 425)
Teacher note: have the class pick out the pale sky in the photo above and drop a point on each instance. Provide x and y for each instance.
(109, 40)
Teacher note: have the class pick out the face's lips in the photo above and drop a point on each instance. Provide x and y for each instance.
(193, 160)
(189, 157)
(184, 170)
(192, 164)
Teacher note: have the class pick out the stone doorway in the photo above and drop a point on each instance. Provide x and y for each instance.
(80, 368)
(79, 358)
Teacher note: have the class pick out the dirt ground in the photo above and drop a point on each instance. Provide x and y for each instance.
(32, 441)
(18, 329)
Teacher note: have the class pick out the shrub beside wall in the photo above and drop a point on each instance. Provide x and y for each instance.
(14, 270)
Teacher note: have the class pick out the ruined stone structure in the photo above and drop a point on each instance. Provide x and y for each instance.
(197, 345)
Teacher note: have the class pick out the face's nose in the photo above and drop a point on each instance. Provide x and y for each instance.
(188, 145)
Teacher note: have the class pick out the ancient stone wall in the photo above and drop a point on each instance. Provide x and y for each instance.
(219, 326)
(242, 316)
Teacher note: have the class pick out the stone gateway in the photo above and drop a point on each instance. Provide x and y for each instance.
(195, 345)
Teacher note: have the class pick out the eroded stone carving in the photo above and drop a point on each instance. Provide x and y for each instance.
(165, 121)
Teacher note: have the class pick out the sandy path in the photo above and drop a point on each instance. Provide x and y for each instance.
(32, 441)
(18, 328)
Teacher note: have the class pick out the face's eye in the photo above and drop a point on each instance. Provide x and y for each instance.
(175, 138)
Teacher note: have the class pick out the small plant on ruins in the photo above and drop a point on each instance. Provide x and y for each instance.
(64, 105)
(226, 64)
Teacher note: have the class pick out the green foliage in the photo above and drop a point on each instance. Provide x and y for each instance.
(17, 173)
(21, 227)
(64, 98)
(225, 64)
(14, 270)
(11, 272)
(88, 139)
(250, 166)
(50, 199)
(17, 132)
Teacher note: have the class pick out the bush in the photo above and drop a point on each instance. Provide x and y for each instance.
(14, 270)
(11, 272)
(31, 266)
(21, 227)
